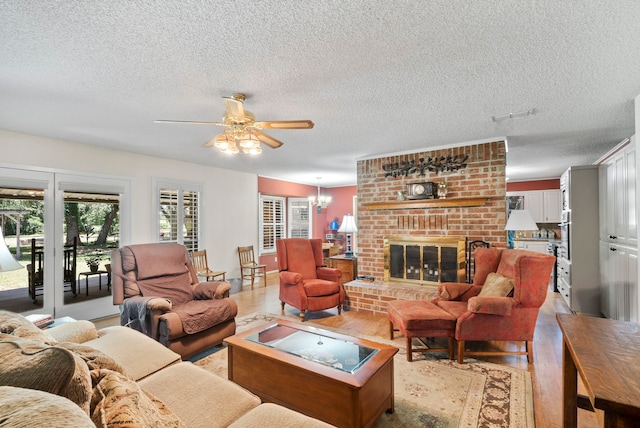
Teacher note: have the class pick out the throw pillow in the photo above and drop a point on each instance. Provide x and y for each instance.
(497, 285)
(79, 331)
(119, 401)
(29, 364)
(22, 407)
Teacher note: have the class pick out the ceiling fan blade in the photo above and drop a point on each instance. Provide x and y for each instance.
(284, 124)
(234, 108)
(267, 139)
(190, 122)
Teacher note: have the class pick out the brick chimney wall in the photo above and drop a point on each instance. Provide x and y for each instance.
(483, 176)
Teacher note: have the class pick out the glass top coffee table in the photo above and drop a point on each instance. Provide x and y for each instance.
(340, 379)
(315, 345)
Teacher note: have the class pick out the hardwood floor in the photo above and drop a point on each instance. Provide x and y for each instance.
(545, 371)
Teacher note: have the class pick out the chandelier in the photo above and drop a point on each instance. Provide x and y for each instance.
(237, 138)
(321, 201)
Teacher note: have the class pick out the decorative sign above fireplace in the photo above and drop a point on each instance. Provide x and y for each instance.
(422, 165)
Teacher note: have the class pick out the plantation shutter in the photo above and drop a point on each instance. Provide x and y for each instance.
(272, 221)
(179, 214)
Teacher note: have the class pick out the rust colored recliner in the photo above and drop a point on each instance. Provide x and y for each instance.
(499, 318)
(305, 283)
(159, 294)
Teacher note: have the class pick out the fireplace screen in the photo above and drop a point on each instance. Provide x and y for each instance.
(425, 260)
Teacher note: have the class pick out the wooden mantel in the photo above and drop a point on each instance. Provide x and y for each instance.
(426, 203)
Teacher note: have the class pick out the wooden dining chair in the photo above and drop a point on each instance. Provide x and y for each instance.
(199, 260)
(249, 269)
(70, 256)
(35, 269)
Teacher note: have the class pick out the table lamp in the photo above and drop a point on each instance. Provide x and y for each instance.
(7, 262)
(348, 226)
(519, 220)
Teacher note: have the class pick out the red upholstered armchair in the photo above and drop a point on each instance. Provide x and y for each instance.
(159, 294)
(497, 314)
(305, 283)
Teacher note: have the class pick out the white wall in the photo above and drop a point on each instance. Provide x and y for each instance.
(230, 199)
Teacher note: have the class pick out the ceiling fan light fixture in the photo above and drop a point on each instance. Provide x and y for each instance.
(231, 150)
(242, 132)
(249, 144)
(253, 151)
(225, 144)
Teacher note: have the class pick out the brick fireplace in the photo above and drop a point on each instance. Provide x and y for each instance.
(474, 208)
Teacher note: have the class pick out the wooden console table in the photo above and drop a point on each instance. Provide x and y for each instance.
(605, 353)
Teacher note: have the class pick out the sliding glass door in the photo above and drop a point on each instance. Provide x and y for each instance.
(26, 200)
(57, 225)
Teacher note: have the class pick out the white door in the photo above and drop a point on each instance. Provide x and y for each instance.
(53, 291)
(70, 188)
(21, 291)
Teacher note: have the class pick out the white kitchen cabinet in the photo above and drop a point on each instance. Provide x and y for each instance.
(618, 196)
(619, 282)
(534, 203)
(545, 206)
(537, 246)
(618, 234)
(552, 200)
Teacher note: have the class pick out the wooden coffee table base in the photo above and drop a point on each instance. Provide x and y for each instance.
(336, 397)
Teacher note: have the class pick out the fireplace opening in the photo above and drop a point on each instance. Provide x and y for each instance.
(425, 260)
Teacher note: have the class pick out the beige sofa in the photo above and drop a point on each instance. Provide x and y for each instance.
(73, 375)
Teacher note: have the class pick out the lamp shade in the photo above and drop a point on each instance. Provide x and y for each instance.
(348, 224)
(7, 262)
(520, 220)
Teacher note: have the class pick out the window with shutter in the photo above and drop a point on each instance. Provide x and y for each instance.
(272, 222)
(178, 209)
(299, 218)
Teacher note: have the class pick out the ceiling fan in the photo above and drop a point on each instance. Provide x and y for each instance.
(242, 132)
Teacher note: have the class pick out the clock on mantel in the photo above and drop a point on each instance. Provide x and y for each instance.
(426, 190)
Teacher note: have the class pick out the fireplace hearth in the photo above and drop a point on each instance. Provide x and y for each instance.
(424, 260)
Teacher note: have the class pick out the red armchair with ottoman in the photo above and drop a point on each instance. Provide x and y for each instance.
(502, 304)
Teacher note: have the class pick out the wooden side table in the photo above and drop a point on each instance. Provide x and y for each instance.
(348, 266)
(604, 353)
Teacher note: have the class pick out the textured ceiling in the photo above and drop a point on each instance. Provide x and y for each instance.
(376, 77)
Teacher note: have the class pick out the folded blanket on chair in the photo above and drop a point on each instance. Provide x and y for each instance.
(199, 315)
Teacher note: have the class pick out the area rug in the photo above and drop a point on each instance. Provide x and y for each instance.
(432, 391)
